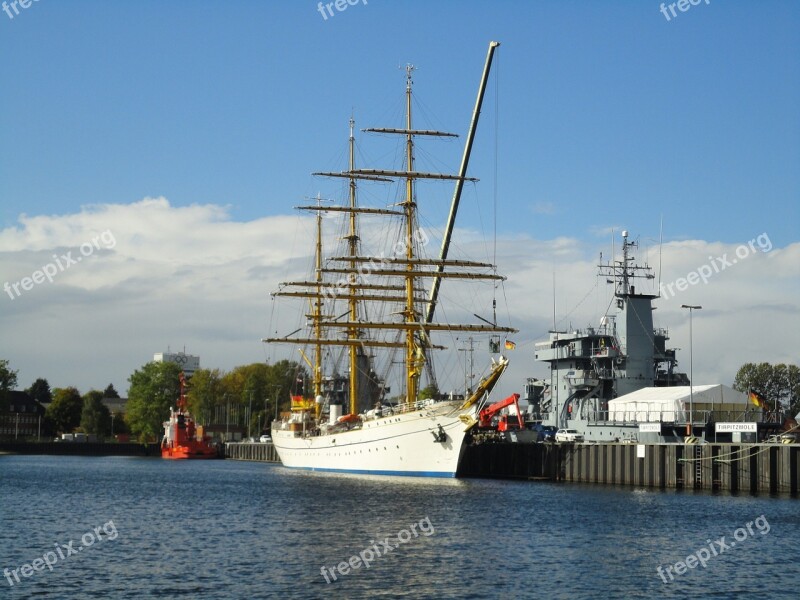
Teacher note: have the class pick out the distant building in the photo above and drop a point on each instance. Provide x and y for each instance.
(187, 362)
(20, 417)
(115, 406)
(225, 433)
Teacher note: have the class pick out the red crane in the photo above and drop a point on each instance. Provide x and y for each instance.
(486, 415)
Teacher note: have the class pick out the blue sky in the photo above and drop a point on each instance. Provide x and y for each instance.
(603, 115)
(609, 114)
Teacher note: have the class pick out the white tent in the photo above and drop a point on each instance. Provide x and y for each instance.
(671, 404)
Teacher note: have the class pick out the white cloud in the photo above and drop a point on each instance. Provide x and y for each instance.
(191, 275)
(176, 275)
(544, 208)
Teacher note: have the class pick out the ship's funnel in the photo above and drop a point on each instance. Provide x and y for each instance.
(336, 412)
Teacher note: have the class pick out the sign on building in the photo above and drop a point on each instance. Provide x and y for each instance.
(737, 427)
(187, 362)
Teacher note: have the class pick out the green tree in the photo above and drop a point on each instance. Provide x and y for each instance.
(154, 389)
(40, 391)
(254, 389)
(205, 392)
(119, 424)
(8, 381)
(110, 392)
(95, 417)
(8, 378)
(793, 383)
(280, 381)
(255, 395)
(778, 384)
(430, 391)
(64, 411)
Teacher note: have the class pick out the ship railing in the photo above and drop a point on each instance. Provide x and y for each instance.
(410, 406)
(678, 417)
(605, 373)
(728, 416)
(540, 417)
(605, 351)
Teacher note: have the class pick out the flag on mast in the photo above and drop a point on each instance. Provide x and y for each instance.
(756, 399)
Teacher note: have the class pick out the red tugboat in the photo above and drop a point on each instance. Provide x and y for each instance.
(180, 434)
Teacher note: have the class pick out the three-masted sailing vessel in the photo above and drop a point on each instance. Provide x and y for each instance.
(348, 425)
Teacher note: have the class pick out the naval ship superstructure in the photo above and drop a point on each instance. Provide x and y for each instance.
(625, 354)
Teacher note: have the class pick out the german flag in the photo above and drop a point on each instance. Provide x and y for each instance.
(510, 345)
(756, 399)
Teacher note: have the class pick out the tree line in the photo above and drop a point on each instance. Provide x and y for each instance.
(66, 409)
(252, 395)
(249, 395)
(778, 384)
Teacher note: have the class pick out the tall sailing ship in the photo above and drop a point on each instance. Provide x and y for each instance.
(365, 304)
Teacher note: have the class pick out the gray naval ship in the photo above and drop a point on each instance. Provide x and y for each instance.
(618, 382)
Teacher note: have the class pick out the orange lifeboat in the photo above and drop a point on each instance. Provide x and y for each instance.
(351, 418)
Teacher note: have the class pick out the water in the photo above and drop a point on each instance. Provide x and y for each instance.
(225, 529)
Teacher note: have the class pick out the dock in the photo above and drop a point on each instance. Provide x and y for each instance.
(746, 468)
(81, 448)
(737, 468)
(257, 452)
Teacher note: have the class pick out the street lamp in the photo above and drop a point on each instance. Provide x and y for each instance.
(249, 413)
(227, 415)
(690, 426)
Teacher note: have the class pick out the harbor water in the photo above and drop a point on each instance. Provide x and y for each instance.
(129, 527)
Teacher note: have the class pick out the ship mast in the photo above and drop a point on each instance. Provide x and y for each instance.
(317, 378)
(402, 271)
(352, 243)
(624, 271)
(414, 356)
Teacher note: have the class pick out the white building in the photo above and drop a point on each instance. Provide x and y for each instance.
(187, 362)
(672, 404)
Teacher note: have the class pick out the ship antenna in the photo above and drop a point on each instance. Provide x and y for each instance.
(613, 258)
(660, 246)
(625, 247)
(554, 298)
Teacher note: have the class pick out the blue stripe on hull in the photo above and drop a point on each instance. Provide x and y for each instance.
(443, 474)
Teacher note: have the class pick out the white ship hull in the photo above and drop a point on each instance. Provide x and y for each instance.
(401, 444)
